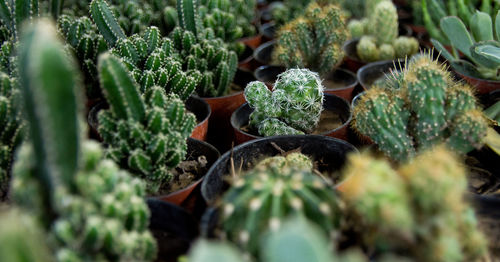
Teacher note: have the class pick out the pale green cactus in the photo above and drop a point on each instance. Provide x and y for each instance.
(404, 46)
(90, 208)
(293, 107)
(383, 22)
(367, 49)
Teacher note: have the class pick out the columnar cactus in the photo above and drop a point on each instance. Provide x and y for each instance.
(417, 207)
(428, 108)
(106, 22)
(261, 199)
(314, 40)
(90, 208)
(13, 13)
(293, 107)
(383, 22)
(145, 134)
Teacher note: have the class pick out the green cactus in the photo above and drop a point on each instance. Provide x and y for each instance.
(383, 23)
(106, 21)
(145, 134)
(13, 13)
(261, 199)
(288, 10)
(314, 40)
(428, 108)
(91, 209)
(417, 207)
(404, 46)
(293, 107)
(357, 27)
(217, 16)
(367, 49)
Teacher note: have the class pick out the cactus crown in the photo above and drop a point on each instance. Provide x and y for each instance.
(429, 108)
(146, 134)
(92, 210)
(293, 107)
(400, 207)
(313, 40)
(262, 198)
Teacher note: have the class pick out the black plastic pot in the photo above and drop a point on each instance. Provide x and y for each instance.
(263, 53)
(331, 153)
(268, 74)
(173, 228)
(370, 73)
(267, 30)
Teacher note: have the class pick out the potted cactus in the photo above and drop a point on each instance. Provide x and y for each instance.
(90, 208)
(480, 48)
(294, 106)
(420, 107)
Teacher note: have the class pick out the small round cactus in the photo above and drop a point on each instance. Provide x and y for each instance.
(367, 49)
(262, 198)
(386, 52)
(293, 107)
(356, 28)
(404, 46)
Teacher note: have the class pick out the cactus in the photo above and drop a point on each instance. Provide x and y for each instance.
(289, 10)
(417, 207)
(217, 16)
(383, 23)
(260, 199)
(13, 13)
(106, 21)
(428, 108)
(293, 107)
(367, 49)
(145, 134)
(404, 46)
(357, 28)
(313, 41)
(91, 209)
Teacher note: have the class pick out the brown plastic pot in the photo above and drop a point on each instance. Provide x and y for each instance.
(195, 149)
(483, 86)
(251, 41)
(331, 102)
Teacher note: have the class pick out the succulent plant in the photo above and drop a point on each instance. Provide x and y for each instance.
(428, 108)
(383, 22)
(145, 134)
(293, 106)
(91, 209)
(13, 13)
(481, 46)
(313, 40)
(106, 22)
(288, 10)
(261, 199)
(417, 207)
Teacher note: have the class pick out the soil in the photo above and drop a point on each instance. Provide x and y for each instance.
(331, 84)
(184, 174)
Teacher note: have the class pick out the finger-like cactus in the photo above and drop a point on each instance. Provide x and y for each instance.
(89, 207)
(293, 107)
(314, 40)
(146, 134)
(367, 49)
(383, 23)
(13, 13)
(428, 108)
(419, 206)
(404, 46)
(261, 199)
(106, 22)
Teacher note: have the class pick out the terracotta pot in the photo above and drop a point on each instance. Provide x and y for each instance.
(330, 151)
(251, 41)
(220, 133)
(196, 148)
(331, 102)
(483, 86)
(371, 72)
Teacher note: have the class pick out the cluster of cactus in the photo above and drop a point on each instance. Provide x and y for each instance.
(481, 46)
(262, 198)
(92, 210)
(13, 13)
(428, 108)
(313, 40)
(379, 35)
(293, 107)
(433, 11)
(287, 10)
(200, 50)
(417, 210)
(134, 16)
(153, 61)
(145, 134)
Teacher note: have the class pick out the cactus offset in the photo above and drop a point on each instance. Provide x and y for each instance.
(293, 107)
(144, 134)
(91, 209)
(314, 40)
(404, 46)
(441, 110)
(106, 22)
(383, 23)
(265, 196)
(367, 49)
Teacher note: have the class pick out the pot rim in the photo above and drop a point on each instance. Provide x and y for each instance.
(462, 74)
(374, 64)
(262, 47)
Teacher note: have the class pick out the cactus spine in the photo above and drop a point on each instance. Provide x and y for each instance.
(261, 199)
(428, 108)
(293, 107)
(106, 22)
(92, 210)
(144, 134)
(314, 40)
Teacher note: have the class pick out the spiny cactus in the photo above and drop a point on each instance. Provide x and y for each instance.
(427, 109)
(383, 23)
(287, 10)
(293, 107)
(106, 21)
(154, 61)
(417, 207)
(262, 198)
(14, 13)
(91, 209)
(145, 134)
(313, 41)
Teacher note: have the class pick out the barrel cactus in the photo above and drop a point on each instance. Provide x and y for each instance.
(428, 108)
(90, 208)
(417, 207)
(313, 40)
(261, 199)
(294, 105)
(145, 134)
